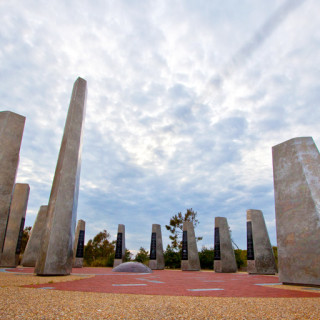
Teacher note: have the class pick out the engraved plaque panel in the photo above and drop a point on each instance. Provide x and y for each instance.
(19, 242)
(250, 251)
(184, 246)
(80, 246)
(153, 247)
(118, 254)
(217, 253)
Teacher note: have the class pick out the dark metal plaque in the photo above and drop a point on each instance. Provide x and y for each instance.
(184, 246)
(153, 247)
(80, 245)
(217, 253)
(118, 254)
(19, 242)
(250, 251)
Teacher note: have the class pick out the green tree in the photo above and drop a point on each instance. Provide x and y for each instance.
(241, 258)
(172, 259)
(127, 256)
(25, 238)
(99, 252)
(275, 253)
(88, 255)
(176, 226)
(206, 258)
(142, 256)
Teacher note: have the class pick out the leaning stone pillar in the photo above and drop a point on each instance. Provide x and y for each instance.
(156, 261)
(120, 246)
(79, 244)
(14, 232)
(56, 252)
(190, 258)
(296, 174)
(11, 131)
(224, 258)
(31, 252)
(260, 256)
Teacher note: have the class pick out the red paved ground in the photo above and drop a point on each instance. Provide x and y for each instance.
(174, 283)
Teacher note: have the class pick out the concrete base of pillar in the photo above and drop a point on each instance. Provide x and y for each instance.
(77, 263)
(186, 266)
(217, 266)
(154, 265)
(117, 262)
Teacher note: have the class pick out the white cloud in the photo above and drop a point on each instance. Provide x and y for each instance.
(177, 115)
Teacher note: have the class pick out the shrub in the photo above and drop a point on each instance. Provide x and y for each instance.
(206, 258)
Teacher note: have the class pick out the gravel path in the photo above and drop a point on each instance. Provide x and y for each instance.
(25, 303)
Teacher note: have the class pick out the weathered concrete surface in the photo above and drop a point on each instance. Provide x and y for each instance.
(190, 259)
(156, 261)
(79, 244)
(225, 262)
(32, 250)
(263, 261)
(296, 174)
(12, 242)
(120, 246)
(56, 252)
(11, 131)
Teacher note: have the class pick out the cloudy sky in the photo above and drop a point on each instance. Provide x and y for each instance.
(185, 101)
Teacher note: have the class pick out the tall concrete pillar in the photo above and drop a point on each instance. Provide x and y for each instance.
(260, 258)
(14, 232)
(156, 261)
(11, 131)
(34, 243)
(296, 174)
(120, 246)
(56, 252)
(190, 258)
(79, 244)
(224, 258)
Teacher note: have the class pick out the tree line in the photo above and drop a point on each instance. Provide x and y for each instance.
(100, 251)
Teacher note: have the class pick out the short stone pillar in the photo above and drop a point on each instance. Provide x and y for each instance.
(260, 257)
(56, 254)
(156, 261)
(190, 258)
(296, 174)
(14, 232)
(12, 126)
(79, 244)
(32, 250)
(224, 258)
(120, 246)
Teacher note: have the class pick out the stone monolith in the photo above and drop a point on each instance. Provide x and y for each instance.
(56, 254)
(190, 259)
(296, 174)
(156, 261)
(224, 258)
(11, 131)
(260, 257)
(79, 244)
(14, 232)
(32, 250)
(120, 246)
